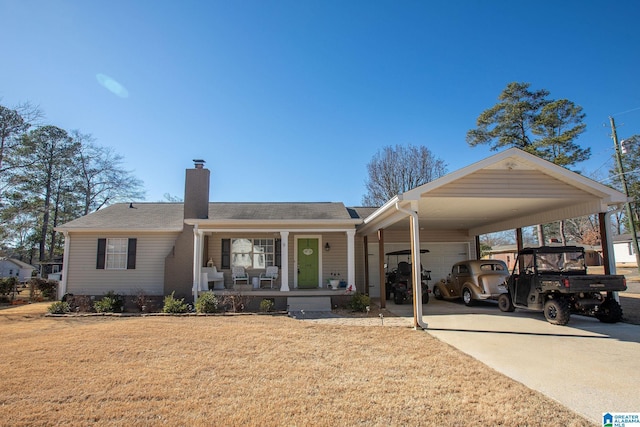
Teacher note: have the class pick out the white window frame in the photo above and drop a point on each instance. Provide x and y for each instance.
(116, 254)
(260, 255)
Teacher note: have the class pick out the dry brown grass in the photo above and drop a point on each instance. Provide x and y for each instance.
(248, 370)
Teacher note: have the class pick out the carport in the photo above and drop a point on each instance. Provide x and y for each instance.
(509, 190)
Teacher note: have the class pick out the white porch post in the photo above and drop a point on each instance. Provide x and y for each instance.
(284, 260)
(351, 258)
(62, 289)
(197, 255)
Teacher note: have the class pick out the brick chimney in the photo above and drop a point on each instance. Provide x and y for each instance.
(196, 191)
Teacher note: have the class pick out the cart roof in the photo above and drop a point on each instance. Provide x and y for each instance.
(406, 252)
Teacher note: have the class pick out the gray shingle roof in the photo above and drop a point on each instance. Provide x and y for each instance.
(169, 216)
(139, 216)
(278, 211)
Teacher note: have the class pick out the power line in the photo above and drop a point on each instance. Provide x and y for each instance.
(625, 112)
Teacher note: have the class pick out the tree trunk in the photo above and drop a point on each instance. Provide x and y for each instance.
(540, 235)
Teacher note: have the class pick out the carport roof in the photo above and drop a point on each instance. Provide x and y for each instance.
(508, 190)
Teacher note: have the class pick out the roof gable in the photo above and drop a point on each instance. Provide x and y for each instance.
(508, 190)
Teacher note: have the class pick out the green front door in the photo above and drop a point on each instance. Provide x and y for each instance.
(308, 263)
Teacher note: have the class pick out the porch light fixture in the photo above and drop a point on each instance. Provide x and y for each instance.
(327, 247)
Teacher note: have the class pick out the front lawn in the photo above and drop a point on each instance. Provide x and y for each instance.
(248, 370)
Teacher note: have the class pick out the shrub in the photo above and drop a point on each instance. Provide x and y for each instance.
(80, 303)
(46, 288)
(233, 302)
(59, 307)
(359, 302)
(173, 305)
(8, 285)
(266, 305)
(141, 300)
(110, 303)
(207, 303)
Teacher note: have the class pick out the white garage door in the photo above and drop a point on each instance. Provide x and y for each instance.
(439, 259)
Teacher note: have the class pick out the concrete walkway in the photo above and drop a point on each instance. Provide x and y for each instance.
(588, 366)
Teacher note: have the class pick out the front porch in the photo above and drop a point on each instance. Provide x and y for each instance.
(305, 261)
(292, 301)
(271, 293)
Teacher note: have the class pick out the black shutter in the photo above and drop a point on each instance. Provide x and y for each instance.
(226, 254)
(102, 254)
(278, 253)
(131, 254)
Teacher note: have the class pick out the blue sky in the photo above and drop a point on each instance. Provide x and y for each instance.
(289, 100)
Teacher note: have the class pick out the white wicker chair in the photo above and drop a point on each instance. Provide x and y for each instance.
(270, 275)
(239, 275)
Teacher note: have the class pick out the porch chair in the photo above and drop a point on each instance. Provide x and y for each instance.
(239, 275)
(270, 275)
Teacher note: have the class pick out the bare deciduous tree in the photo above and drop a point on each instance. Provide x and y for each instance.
(394, 170)
(101, 179)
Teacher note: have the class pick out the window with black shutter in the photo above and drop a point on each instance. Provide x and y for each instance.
(226, 254)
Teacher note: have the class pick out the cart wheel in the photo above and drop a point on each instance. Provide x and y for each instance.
(557, 311)
(398, 297)
(609, 311)
(425, 296)
(505, 304)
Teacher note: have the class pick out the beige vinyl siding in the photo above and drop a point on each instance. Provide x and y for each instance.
(508, 183)
(335, 260)
(84, 279)
(400, 236)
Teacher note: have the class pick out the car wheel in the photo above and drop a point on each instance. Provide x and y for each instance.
(609, 311)
(467, 297)
(505, 304)
(557, 311)
(436, 292)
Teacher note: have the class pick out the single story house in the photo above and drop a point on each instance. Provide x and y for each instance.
(162, 247)
(11, 267)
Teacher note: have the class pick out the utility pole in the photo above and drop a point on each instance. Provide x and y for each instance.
(632, 225)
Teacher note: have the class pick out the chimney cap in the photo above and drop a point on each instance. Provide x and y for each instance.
(199, 163)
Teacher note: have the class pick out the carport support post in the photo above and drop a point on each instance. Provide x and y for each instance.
(415, 260)
(604, 243)
(366, 264)
(604, 220)
(519, 239)
(381, 275)
(416, 273)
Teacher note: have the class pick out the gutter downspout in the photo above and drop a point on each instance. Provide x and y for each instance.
(62, 289)
(415, 271)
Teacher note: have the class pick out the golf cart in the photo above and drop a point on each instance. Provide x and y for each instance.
(398, 280)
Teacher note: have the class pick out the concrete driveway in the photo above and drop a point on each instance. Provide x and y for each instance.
(588, 366)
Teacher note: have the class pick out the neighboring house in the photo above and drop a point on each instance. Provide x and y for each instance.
(623, 250)
(10, 267)
(162, 247)
(506, 253)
